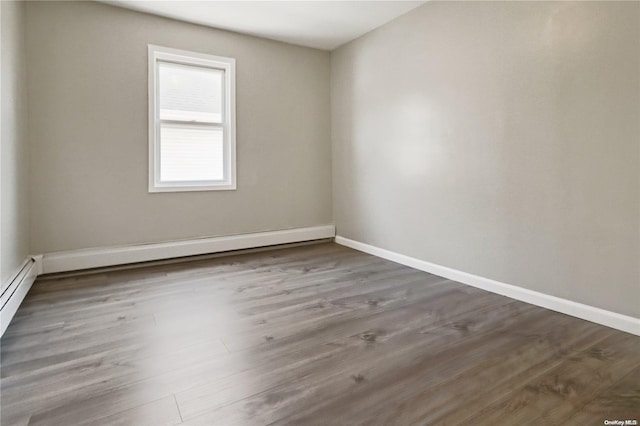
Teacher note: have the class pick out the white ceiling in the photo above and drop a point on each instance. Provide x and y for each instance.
(320, 24)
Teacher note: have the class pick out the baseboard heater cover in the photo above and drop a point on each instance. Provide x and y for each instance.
(111, 256)
(16, 289)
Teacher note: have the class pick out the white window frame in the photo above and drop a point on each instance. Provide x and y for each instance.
(227, 65)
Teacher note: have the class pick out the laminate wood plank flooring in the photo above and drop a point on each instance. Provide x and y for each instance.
(307, 335)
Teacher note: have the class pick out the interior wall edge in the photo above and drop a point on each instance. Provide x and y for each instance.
(593, 314)
(14, 159)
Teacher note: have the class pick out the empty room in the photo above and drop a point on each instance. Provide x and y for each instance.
(319, 213)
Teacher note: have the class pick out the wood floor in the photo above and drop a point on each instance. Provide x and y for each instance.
(313, 335)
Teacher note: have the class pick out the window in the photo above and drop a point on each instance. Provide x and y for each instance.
(191, 121)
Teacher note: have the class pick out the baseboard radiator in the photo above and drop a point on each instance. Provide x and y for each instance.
(15, 290)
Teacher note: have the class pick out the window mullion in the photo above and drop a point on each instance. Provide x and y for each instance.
(192, 123)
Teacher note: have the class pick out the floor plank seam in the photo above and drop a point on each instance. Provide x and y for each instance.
(178, 407)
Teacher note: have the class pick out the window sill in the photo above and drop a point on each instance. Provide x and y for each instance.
(191, 188)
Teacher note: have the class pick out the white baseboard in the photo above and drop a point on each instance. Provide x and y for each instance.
(590, 313)
(109, 256)
(16, 289)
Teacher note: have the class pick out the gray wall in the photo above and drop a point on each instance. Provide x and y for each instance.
(14, 214)
(498, 138)
(88, 134)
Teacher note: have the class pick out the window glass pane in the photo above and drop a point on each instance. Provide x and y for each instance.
(190, 93)
(190, 153)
